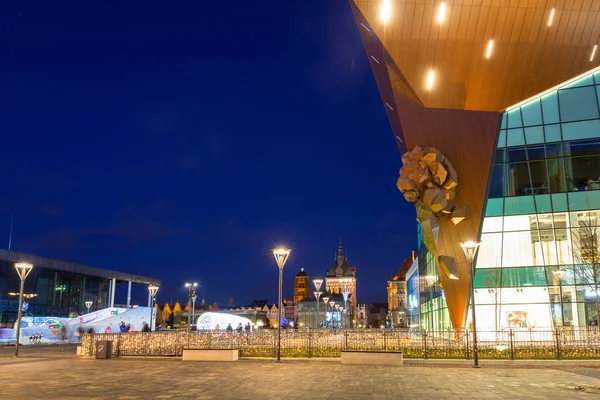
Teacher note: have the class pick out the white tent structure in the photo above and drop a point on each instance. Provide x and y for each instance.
(210, 320)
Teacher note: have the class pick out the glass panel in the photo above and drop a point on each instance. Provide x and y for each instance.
(552, 133)
(559, 202)
(584, 200)
(550, 108)
(585, 81)
(517, 154)
(514, 137)
(517, 179)
(494, 207)
(519, 205)
(504, 123)
(542, 203)
(517, 249)
(532, 113)
(556, 175)
(514, 118)
(499, 158)
(577, 104)
(536, 152)
(582, 147)
(487, 278)
(490, 250)
(497, 182)
(539, 178)
(581, 130)
(582, 173)
(519, 277)
(553, 150)
(534, 135)
(493, 224)
(518, 223)
(502, 139)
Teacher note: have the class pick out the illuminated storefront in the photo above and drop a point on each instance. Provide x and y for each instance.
(542, 213)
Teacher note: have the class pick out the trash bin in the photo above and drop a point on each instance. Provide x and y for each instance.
(103, 349)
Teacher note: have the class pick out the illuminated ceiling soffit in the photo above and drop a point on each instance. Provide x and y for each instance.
(533, 48)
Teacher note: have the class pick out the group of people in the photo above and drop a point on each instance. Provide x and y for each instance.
(36, 338)
(240, 328)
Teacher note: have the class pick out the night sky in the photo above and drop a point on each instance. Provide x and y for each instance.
(184, 140)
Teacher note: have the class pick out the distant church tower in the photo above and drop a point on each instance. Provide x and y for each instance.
(342, 276)
(301, 286)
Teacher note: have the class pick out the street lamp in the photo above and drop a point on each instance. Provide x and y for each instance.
(317, 282)
(152, 289)
(331, 304)
(559, 274)
(88, 304)
(281, 256)
(470, 248)
(325, 300)
(317, 296)
(191, 293)
(194, 297)
(346, 293)
(431, 279)
(23, 269)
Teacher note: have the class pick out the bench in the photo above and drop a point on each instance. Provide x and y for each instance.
(210, 355)
(358, 357)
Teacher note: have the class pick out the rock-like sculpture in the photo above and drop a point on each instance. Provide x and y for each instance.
(428, 179)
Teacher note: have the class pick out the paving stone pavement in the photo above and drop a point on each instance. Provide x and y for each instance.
(169, 378)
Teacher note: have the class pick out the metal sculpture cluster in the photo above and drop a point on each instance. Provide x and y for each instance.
(428, 179)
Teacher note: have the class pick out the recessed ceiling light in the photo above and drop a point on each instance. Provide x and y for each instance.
(386, 10)
(441, 13)
(593, 52)
(430, 79)
(490, 47)
(551, 18)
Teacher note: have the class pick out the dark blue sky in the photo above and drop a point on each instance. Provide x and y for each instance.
(184, 140)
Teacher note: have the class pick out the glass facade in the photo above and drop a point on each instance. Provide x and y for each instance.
(49, 293)
(542, 213)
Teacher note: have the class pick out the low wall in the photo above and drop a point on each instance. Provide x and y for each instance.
(210, 355)
(372, 358)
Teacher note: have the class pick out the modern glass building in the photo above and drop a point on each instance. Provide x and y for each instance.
(494, 106)
(57, 288)
(542, 210)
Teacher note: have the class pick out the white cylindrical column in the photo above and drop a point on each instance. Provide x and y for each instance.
(112, 295)
(128, 294)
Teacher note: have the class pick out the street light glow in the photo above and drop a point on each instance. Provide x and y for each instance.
(430, 79)
(490, 47)
(551, 17)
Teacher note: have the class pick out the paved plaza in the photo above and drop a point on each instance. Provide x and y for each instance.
(60, 375)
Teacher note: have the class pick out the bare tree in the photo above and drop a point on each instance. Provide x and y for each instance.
(586, 254)
(493, 281)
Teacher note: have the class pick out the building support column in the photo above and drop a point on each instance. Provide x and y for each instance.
(112, 294)
(128, 294)
(149, 300)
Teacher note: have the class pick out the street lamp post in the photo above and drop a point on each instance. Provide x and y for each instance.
(152, 289)
(325, 300)
(23, 269)
(88, 304)
(559, 274)
(317, 296)
(194, 297)
(331, 304)
(470, 248)
(346, 293)
(317, 282)
(281, 256)
(191, 293)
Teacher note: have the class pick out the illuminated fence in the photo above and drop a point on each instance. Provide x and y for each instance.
(511, 344)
